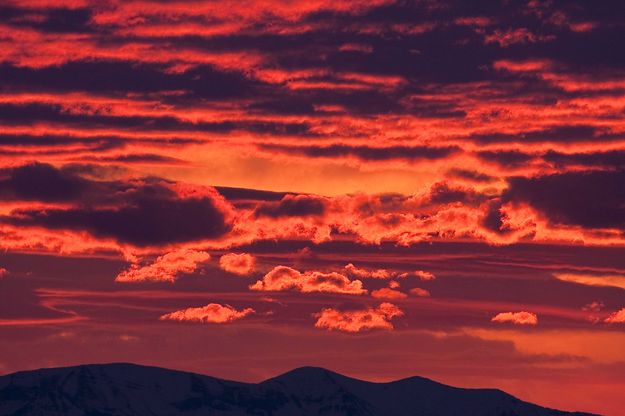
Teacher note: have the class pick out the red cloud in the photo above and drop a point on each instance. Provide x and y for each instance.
(358, 320)
(417, 291)
(367, 273)
(166, 267)
(388, 293)
(3, 272)
(423, 275)
(517, 318)
(282, 278)
(211, 313)
(363, 273)
(241, 264)
(616, 317)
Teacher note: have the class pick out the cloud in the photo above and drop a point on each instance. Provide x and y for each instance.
(362, 273)
(593, 199)
(358, 320)
(140, 212)
(616, 317)
(517, 318)
(242, 264)
(283, 278)
(388, 293)
(365, 273)
(367, 153)
(42, 182)
(592, 279)
(211, 313)
(165, 268)
(423, 275)
(3, 272)
(293, 206)
(422, 293)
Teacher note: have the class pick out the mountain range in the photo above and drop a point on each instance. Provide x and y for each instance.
(122, 389)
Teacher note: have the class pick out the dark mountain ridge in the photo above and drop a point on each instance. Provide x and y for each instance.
(121, 389)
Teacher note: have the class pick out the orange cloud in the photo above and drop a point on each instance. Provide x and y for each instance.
(616, 317)
(423, 275)
(166, 267)
(211, 313)
(367, 273)
(388, 293)
(241, 264)
(517, 318)
(282, 278)
(422, 293)
(592, 280)
(358, 320)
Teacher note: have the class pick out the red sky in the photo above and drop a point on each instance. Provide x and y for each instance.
(381, 188)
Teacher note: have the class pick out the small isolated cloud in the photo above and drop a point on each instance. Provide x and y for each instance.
(422, 293)
(421, 274)
(592, 279)
(166, 267)
(388, 293)
(211, 313)
(363, 273)
(594, 306)
(282, 278)
(242, 264)
(3, 272)
(517, 318)
(616, 318)
(393, 284)
(358, 320)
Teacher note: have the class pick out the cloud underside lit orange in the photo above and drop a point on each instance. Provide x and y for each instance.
(211, 313)
(358, 320)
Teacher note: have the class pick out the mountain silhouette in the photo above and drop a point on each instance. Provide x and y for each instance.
(127, 389)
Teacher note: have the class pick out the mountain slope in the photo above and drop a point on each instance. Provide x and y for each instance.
(128, 389)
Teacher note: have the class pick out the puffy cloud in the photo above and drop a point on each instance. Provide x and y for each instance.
(423, 275)
(362, 273)
(388, 293)
(166, 267)
(282, 278)
(393, 284)
(616, 317)
(3, 272)
(211, 313)
(517, 318)
(140, 212)
(422, 293)
(592, 279)
(238, 263)
(358, 320)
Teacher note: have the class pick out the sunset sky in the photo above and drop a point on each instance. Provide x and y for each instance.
(382, 188)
